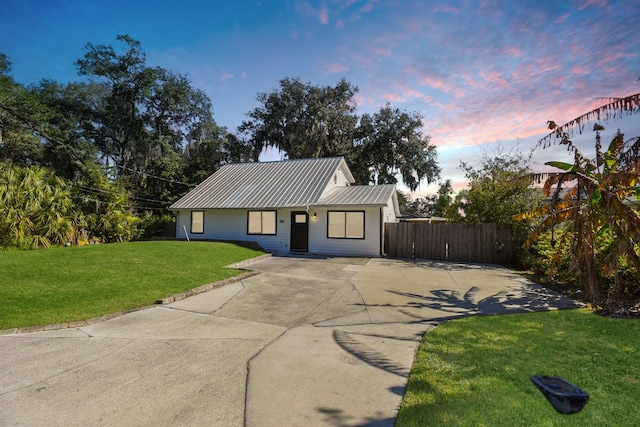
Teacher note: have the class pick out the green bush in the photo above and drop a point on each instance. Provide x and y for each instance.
(551, 256)
(549, 247)
(36, 208)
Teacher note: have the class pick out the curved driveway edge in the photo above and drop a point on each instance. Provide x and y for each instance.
(307, 342)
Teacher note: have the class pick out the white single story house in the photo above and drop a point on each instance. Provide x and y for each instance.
(304, 205)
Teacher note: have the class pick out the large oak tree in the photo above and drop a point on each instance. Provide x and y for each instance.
(304, 120)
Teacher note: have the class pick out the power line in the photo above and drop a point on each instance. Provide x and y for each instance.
(100, 190)
(131, 206)
(145, 174)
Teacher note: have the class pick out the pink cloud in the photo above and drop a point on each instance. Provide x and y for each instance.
(357, 14)
(513, 51)
(306, 9)
(611, 57)
(495, 78)
(479, 121)
(586, 3)
(476, 92)
(580, 69)
(414, 25)
(446, 8)
(405, 93)
(363, 59)
(225, 76)
(548, 64)
(490, 8)
(393, 97)
(558, 81)
(382, 52)
(364, 100)
(335, 68)
(368, 7)
(458, 92)
(541, 69)
(323, 15)
(444, 85)
(413, 29)
(472, 81)
(435, 83)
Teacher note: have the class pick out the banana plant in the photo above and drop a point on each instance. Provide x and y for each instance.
(596, 201)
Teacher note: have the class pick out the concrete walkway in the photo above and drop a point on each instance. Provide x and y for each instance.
(307, 342)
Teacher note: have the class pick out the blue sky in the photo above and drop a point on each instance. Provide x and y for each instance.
(480, 72)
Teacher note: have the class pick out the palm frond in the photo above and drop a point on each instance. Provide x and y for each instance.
(615, 108)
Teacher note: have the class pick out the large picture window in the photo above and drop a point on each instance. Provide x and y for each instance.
(345, 225)
(197, 222)
(261, 222)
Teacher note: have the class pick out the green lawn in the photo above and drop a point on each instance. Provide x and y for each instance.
(475, 371)
(68, 284)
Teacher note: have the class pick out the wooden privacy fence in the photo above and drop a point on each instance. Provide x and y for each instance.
(481, 243)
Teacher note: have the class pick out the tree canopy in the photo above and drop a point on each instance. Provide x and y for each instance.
(434, 204)
(303, 120)
(129, 138)
(148, 121)
(500, 187)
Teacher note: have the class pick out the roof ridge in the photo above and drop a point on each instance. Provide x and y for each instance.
(284, 160)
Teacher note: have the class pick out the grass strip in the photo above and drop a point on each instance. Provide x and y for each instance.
(60, 285)
(475, 371)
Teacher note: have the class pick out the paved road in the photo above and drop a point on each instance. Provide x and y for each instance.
(307, 342)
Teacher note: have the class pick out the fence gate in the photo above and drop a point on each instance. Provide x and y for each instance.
(481, 243)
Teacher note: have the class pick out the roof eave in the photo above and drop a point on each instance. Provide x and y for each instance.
(339, 205)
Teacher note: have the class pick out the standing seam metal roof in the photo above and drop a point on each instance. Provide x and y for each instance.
(288, 183)
(372, 195)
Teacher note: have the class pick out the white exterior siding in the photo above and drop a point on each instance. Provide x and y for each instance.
(231, 224)
(339, 179)
(320, 243)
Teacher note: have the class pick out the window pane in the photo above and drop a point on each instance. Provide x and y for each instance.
(355, 225)
(269, 222)
(355, 218)
(336, 225)
(197, 222)
(301, 218)
(255, 223)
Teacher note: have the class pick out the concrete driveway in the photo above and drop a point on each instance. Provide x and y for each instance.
(307, 342)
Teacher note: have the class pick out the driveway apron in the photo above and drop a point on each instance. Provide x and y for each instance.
(306, 342)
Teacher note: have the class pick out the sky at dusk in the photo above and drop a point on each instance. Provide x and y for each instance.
(481, 73)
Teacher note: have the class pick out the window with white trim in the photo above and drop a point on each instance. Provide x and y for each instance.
(261, 222)
(197, 222)
(345, 225)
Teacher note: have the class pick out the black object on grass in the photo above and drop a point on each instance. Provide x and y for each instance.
(565, 397)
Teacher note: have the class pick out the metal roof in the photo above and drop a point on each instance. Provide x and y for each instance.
(287, 183)
(371, 195)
